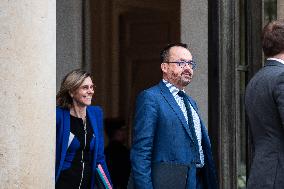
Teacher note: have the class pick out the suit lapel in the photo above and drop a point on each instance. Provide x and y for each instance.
(172, 102)
(205, 138)
(203, 128)
(93, 121)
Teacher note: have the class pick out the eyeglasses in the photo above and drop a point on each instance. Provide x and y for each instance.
(182, 64)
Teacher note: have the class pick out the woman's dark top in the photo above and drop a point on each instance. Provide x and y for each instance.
(76, 171)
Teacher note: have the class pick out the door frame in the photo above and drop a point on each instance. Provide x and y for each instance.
(223, 56)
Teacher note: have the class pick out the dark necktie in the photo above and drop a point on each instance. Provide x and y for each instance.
(188, 109)
(190, 121)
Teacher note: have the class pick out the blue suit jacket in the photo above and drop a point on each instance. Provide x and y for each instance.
(95, 116)
(161, 134)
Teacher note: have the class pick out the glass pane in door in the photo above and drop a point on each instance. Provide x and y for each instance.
(269, 10)
(241, 80)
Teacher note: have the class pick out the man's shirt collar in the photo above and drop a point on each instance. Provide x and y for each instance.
(173, 89)
(277, 59)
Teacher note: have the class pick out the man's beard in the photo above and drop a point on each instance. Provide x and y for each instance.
(178, 79)
(184, 82)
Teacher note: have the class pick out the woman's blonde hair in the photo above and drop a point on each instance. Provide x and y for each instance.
(71, 82)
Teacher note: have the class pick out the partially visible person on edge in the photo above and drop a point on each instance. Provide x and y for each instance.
(170, 142)
(264, 102)
(117, 154)
(79, 134)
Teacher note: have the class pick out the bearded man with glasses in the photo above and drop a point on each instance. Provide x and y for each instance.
(171, 147)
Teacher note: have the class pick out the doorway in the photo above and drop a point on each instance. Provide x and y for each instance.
(143, 34)
(127, 38)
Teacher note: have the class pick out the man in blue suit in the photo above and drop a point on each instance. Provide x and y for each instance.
(168, 130)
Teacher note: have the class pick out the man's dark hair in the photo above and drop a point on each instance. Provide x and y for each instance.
(273, 38)
(164, 55)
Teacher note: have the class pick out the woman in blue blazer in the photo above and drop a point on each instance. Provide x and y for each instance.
(79, 134)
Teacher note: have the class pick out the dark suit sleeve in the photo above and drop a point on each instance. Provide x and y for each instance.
(143, 136)
(279, 97)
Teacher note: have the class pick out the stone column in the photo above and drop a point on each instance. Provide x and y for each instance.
(280, 9)
(69, 41)
(27, 94)
(194, 31)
